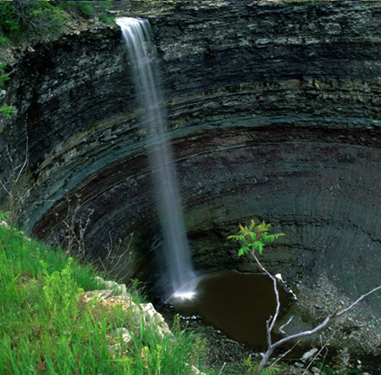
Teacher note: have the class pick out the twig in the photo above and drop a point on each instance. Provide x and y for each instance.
(222, 368)
(284, 354)
(26, 156)
(284, 325)
(14, 196)
(115, 260)
(318, 353)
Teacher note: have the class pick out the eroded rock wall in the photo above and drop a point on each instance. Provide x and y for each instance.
(274, 110)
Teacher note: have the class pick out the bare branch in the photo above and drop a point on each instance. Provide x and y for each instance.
(273, 278)
(272, 320)
(26, 157)
(15, 195)
(9, 155)
(318, 328)
(114, 261)
(285, 325)
(254, 238)
(4, 187)
(358, 300)
(222, 369)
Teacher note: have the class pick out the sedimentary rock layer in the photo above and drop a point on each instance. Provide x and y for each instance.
(274, 112)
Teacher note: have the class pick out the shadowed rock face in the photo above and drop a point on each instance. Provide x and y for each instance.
(274, 110)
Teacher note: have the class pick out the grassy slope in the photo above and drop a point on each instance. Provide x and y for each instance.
(45, 329)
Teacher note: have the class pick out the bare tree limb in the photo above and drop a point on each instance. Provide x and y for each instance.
(274, 319)
(285, 325)
(269, 326)
(359, 300)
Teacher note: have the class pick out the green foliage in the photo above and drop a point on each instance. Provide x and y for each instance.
(46, 329)
(41, 18)
(104, 18)
(44, 18)
(79, 8)
(61, 290)
(25, 255)
(7, 110)
(253, 367)
(9, 24)
(4, 215)
(105, 4)
(3, 76)
(84, 8)
(137, 290)
(254, 237)
(24, 18)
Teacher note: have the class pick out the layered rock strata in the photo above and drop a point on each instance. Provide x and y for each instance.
(274, 112)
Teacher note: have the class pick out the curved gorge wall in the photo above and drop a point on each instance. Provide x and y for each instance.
(274, 110)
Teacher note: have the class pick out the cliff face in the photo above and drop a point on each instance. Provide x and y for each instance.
(274, 110)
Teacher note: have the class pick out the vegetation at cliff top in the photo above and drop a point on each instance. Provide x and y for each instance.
(43, 18)
(48, 18)
(46, 329)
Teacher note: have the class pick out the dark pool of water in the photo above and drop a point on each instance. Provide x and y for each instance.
(236, 303)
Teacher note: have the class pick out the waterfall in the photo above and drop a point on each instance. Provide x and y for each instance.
(145, 70)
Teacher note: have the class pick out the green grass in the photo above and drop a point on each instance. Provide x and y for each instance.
(45, 328)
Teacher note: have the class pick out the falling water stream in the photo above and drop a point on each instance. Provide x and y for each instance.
(141, 50)
(238, 304)
(219, 297)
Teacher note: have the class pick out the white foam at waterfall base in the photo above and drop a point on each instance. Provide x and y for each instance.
(146, 74)
(186, 292)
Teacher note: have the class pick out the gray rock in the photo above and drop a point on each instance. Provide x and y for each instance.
(274, 110)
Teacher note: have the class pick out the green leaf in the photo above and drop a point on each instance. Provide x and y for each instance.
(243, 250)
(7, 110)
(252, 225)
(258, 245)
(4, 215)
(268, 237)
(263, 227)
(254, 238)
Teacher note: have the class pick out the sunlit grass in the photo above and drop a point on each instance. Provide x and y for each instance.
(46, 329)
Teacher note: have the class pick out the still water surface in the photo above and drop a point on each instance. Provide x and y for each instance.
(236, 303)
